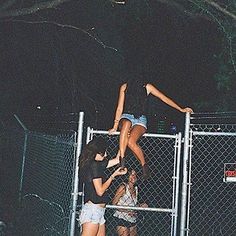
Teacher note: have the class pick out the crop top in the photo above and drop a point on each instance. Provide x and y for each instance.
(136, 104)
(95, 171)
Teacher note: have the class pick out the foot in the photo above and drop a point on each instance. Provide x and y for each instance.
(146, 172)
(122, 162)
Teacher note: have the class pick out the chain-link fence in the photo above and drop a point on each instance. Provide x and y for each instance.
(11, 149)
(47, 184)
(160, 192)
(211, 202)
(45, 166)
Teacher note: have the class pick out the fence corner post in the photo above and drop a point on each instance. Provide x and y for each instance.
(23, 155)
(76, 174)
(185, 176)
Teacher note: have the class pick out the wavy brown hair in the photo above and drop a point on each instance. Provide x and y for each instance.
(96, 146)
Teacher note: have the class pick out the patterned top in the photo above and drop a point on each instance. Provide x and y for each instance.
(127, 200)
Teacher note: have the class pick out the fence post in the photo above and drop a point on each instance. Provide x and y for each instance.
(24, 155)
(177, 181)
(185, 176)
(76, 174)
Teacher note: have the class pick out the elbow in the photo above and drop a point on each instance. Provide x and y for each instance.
(99, 193)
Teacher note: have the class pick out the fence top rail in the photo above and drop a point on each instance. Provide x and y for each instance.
(174, 136)
(214, 133)
(140, 208)
(213, 115)
(55, 138)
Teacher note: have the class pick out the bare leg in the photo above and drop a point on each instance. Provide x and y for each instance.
(133, 231)
(135, 134)
(125, 128)
(90, 229)
(122, 231)
(101, 230)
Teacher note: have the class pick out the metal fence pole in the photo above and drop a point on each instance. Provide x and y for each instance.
(185, 176)
(24, 155)
(177, 181)
(76, 174)
(210, 200)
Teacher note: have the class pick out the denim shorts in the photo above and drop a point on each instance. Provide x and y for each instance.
(92, 213)
(142, 120)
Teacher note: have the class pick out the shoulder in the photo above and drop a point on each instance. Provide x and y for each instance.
(149, 87)
(123, 87)
(101, 165)
(96, 169)
(94, 164)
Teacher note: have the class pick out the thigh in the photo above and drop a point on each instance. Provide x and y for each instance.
(133, 230)
(122, 231)
(89, 229)
(136, 132)
(125, 125)
(101, 230)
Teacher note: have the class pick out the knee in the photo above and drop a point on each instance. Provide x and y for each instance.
(125, 127)
(131, 143)
(125, 124)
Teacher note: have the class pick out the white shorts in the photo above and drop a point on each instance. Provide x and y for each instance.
(92, 213)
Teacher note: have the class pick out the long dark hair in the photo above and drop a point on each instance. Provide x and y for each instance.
(96, 146)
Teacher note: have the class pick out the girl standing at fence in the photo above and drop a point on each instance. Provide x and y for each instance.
(93, 163)
(131, 115)
(127, 195)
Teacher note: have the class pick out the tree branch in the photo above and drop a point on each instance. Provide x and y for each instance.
(35, 8)
(67, 26)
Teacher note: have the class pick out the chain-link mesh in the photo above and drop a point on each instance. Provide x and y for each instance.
(212, 200)
(157, 192)
(47, 184)
(12, 139)
(11, 149)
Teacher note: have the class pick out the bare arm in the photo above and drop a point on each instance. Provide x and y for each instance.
(102, 187)
(114, 161)
(119, 193)
(144, 205)
(155, 92)
(119, 109)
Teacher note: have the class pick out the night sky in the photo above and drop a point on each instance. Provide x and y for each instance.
(54, 63)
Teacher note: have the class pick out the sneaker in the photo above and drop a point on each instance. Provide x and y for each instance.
(146, 172)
